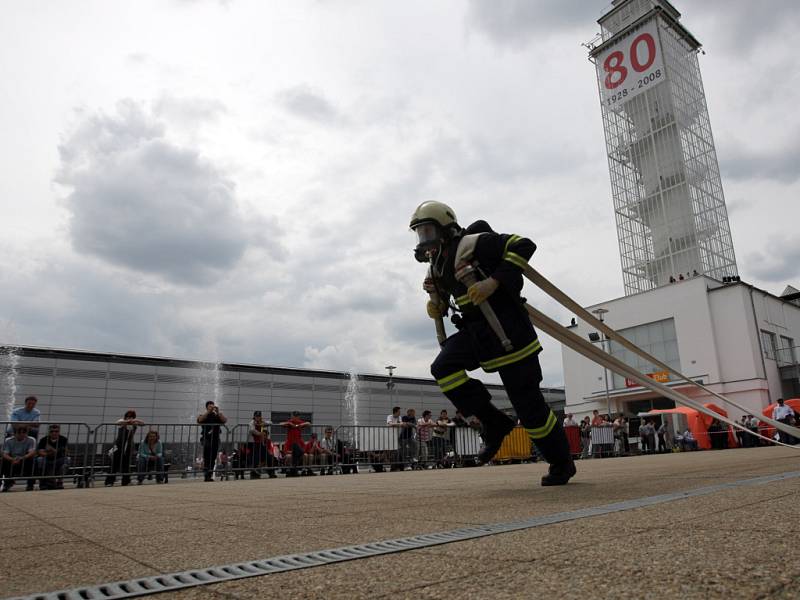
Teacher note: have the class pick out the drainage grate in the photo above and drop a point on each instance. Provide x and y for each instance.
(164, 583)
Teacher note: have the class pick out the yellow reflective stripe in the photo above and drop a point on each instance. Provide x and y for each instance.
(515, 259)
(537, 433)
(514, 238)
(453, 380)
(463, 300)
(502, 361)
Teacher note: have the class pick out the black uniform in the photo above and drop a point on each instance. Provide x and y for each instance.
(500, 256)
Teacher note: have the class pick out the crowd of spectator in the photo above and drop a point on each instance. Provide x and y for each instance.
(418, 443)
(659, 437)
(25, 456)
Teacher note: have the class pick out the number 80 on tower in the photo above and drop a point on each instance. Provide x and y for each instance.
(631, 66)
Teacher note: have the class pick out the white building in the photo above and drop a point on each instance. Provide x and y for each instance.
(684, 302)
(736, 339)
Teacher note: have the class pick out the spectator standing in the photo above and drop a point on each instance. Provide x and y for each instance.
(597, 420)
(408, 438)
(52, 458)
(395, 421)
(569, 421)
(650, 433)
(664, 437)
(752, 425)
(295, 446)
(19, 450)
(259, 432)
(211, 421)
(122, 449)
(715, 434)
(742, 437)
(28, 414)
(440, 436)
(459, 420)
(784, 413)
(620, 429)
(586, 436)
(150, 457)
(425, 427)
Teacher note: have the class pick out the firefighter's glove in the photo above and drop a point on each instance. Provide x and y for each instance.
(435, 309)
(480, 291)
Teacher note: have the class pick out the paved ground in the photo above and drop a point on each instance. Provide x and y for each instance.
(739, 543)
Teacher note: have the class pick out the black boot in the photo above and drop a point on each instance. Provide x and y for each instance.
(474, 399)
(555, 449)
(493, 439)
(560, 474)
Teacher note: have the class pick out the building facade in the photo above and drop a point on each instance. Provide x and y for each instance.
(736, 339)
(93, 388)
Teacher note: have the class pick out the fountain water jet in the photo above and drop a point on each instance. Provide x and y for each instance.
(351, 398)
(9, 367)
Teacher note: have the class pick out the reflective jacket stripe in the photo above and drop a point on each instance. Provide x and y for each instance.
(537, 433)
(463, 300)
(453, 380)
(515, 259)
(502, 361)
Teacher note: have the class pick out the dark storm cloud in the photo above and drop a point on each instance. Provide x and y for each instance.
(517, 23)
(779, 164)
(778, 263)
(308, 103)
(741, 25)
(141, 202)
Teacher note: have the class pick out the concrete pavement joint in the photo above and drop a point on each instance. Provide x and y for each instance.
(187, 579)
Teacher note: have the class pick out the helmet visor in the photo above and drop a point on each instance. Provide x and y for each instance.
(427, 233)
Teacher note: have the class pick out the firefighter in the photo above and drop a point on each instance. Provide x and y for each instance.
(509, 348)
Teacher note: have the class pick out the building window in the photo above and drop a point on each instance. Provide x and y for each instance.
(769, 343)
(786, 353)
(658, 339)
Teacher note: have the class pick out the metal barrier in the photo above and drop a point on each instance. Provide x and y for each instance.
(516, 447)
(602, 437)
(186, 449)
(395, 448)
(62, 451)
(265, 452)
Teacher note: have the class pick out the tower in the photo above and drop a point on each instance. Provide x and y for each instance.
(668, 200)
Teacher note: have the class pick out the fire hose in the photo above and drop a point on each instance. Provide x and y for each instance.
(587, 349)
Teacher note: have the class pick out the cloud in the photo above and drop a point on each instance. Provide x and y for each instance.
(779, 263)
(188, 111)
(741, 29)
(309, 103)
(517, 23)
(141, 202)
(781, 164)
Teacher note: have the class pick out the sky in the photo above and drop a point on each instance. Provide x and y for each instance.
(233, 180)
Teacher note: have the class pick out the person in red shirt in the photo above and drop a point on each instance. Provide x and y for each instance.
(312, 455)
(294, 442)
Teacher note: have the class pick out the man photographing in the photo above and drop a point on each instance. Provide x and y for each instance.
(210, 421)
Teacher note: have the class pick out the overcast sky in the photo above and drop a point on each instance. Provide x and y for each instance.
(232, 180)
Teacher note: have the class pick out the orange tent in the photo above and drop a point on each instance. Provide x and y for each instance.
(696, 422)
(764, 429)
(731, 436)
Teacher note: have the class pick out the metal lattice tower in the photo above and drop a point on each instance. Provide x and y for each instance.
(668, 200)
